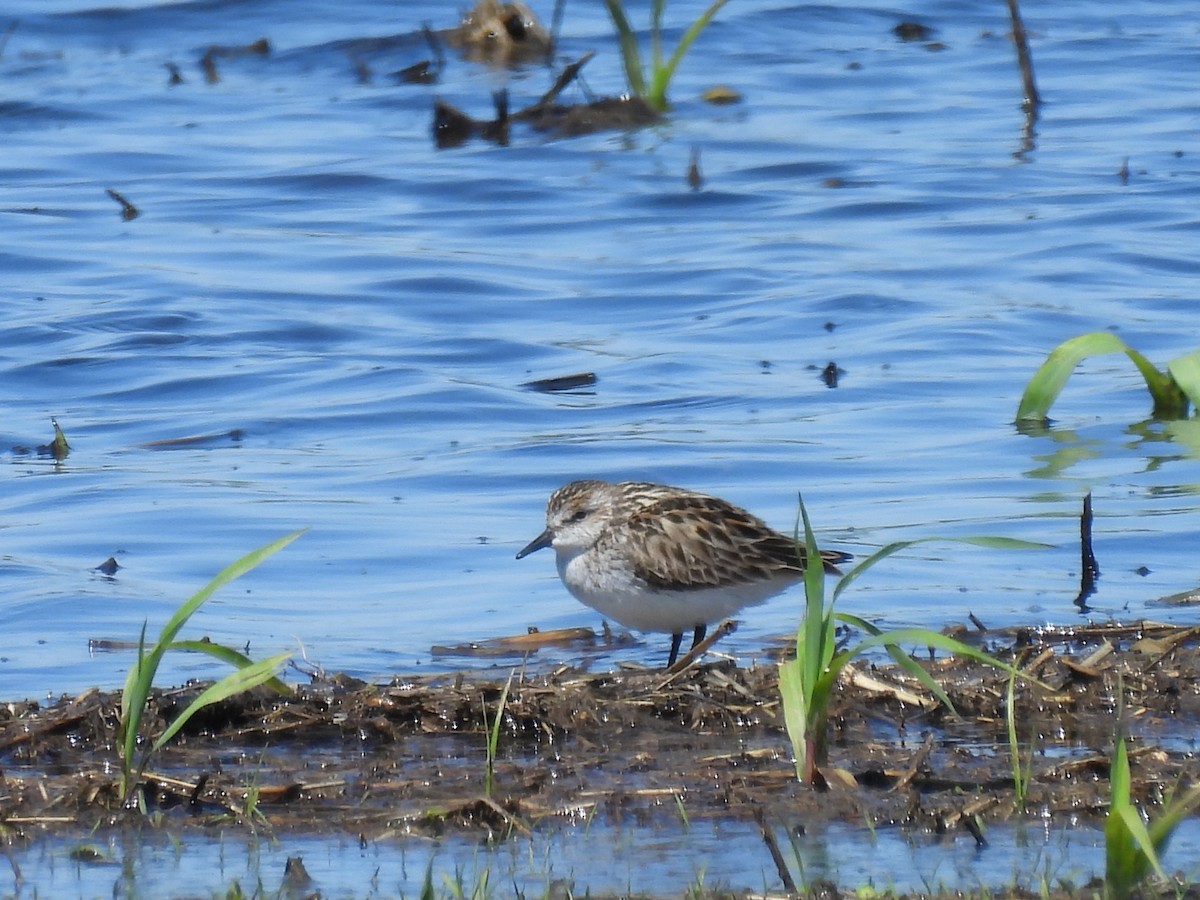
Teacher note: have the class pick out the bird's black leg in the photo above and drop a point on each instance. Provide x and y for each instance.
(698, 635)
(676, 640)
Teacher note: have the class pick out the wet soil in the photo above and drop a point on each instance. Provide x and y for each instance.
(339, 755)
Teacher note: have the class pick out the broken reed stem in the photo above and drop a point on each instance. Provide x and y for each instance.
(1024, 60)
(1089, 569)
(773, 848)
(729, 626)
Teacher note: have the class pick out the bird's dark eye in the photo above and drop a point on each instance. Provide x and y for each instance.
(579, 516)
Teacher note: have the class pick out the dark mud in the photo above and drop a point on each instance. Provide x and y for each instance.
(409, 756)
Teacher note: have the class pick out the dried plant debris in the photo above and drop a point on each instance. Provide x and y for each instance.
(208, 62)
(562, 383)
(407, 756)
(503, 34)
(452, 127)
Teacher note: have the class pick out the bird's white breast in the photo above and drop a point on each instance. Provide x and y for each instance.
(610, 586)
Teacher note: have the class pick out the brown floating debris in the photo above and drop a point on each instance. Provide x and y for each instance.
(504, 34)
(720, 95)
(695, 179)
(108, 567)
(912, 31)
(519, 644)
(830, 374)
(1183, 598)
(561, 383)
(453, 128)
(208, 62)
(425, 71)
(129, 212)
(422, 72)
(220, 437)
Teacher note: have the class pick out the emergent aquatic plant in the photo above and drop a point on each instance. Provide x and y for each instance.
(806, 682)
(1171, 391)
(1131, 848)
(651, 86)
(1022, 769)
(493, 735)
(138, 682)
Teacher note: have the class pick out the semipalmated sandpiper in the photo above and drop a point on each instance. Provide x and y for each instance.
(659, 558)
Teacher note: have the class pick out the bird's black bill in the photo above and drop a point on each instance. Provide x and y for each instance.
(545, 539)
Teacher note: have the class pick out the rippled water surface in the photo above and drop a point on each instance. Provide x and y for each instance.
(349, 314)
(627, 861)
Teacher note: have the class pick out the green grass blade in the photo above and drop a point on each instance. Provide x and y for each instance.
(243, 679)
(995, 543)
(630, 55)
(1186, 372)
(656, 14)
(1169, 400)
(1047, 382)
(234, 570)
(493, 735)
(1168, 820)
(227, 655)
(795, 712)
(663, 74)
(136, 683)
(188, 608)
(923, 637)
(813, 640)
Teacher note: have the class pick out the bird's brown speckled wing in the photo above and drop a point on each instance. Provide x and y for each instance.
(691, 541)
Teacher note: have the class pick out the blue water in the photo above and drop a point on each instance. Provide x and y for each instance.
(607, 858)
(362, 308)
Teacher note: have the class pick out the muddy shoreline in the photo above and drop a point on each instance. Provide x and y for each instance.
(341, 756)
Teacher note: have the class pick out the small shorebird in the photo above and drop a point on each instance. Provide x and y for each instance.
(659, 558)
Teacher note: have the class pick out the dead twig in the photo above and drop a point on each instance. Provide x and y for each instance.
(768, 837)
(729, 626)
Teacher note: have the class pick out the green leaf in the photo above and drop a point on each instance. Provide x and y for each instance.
(814, 637)
(140, 677)
(137, 685)
(243, 679)
(137, 681)
(663, 74)
(1186, 372)
(630, 55)
(227, 655)
(1048, 381)
(995, 543)
(795, 711)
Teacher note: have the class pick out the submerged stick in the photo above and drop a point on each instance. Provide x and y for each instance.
(781, 866)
